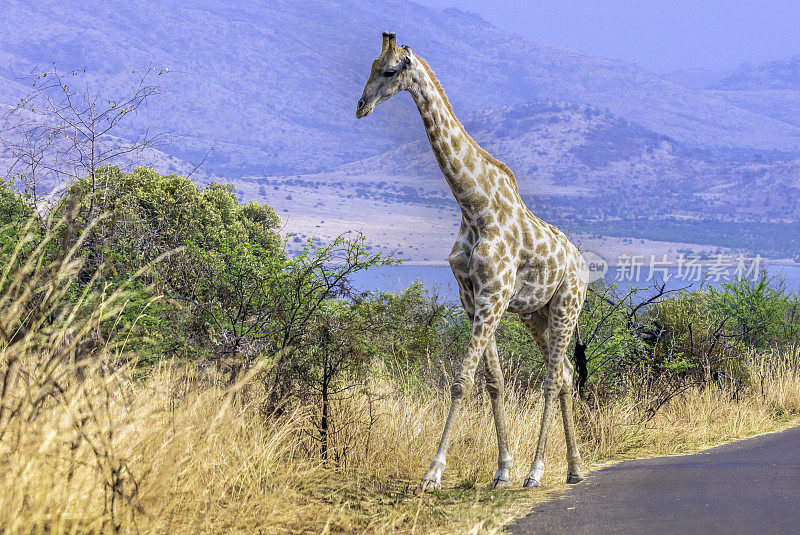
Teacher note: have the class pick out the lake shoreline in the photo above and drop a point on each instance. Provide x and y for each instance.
(438, 276)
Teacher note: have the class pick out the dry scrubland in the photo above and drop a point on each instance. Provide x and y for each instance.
(94, 438)
(173, 452)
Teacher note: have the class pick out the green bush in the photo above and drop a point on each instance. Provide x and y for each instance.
(763, 313)
(16, 211)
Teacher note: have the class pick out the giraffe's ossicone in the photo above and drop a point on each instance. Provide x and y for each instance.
(505, 258)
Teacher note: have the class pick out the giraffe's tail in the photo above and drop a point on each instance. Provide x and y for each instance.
(580, 361)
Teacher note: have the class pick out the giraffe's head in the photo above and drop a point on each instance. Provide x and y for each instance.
(389, 75)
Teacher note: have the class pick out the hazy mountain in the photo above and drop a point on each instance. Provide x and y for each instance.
(272, 85)
(771, 89)
(595, 165)
(780, 104)
(784, 74)
(693, 78)
(587, 170)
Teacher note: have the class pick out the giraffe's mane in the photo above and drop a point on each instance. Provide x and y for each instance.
(483, 152)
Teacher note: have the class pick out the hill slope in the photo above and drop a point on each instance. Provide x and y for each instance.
(771, 88)
(584, 169)
(272, 84)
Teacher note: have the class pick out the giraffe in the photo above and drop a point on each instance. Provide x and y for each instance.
(504, 259)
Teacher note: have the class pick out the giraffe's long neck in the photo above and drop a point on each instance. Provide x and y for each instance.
(474, 177)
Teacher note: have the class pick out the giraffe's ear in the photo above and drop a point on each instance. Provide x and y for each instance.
(407, 60)
(405, 63)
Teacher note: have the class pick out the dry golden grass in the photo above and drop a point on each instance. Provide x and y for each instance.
(174, 453)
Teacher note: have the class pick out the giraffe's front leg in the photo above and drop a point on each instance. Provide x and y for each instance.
(461, 386)
(495, 386)
(483, 325)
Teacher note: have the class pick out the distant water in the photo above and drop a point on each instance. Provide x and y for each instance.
(398, 278)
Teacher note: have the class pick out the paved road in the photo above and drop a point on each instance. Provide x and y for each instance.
(751, 486)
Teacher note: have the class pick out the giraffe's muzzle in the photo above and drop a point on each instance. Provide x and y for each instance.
(362, 110)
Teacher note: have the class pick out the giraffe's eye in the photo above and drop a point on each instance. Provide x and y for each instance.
(390, 72)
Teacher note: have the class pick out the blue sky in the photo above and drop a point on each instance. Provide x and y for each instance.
(659, 35)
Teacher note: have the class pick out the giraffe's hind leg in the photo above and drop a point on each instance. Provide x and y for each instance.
(575, 304)
(552, 336)
(574, 474)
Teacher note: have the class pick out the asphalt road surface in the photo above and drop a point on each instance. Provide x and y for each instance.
(750, 486)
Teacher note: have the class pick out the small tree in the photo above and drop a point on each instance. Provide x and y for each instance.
(341, 336)
(420, 321)
(67, 128)
(219, 254)
(302, 296)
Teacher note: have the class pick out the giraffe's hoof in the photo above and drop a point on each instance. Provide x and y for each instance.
(429, 485)
(574, 477)
(530, 482)
(433, 479)
(502, 478)
(500, 484)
